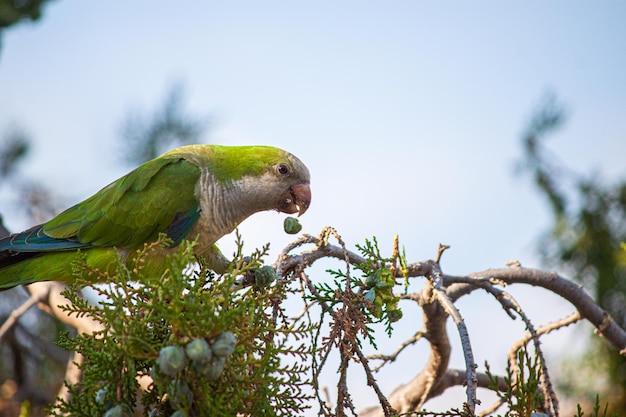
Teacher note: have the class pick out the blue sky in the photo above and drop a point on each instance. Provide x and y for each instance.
(408, 114)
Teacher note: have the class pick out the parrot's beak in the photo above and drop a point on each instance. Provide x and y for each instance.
(296, 199)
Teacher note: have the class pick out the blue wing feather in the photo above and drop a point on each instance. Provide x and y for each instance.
(32, 242)
(35, 240)
(182, 224)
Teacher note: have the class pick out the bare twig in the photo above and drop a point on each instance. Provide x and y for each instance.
(346, 321)
(371, 381)
(555, 283)
(550, 399)
(512, 307)
(492, 408)
(19, 312)
(547, 328)
(440, 251)
(393, 356)
(453, 312)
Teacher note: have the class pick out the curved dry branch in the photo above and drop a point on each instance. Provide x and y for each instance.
(287, 263)
(19, 312)
(434, 378)
(552, 281)
(458, 286)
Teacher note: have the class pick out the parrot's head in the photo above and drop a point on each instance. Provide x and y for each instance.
(285, 183)
(294, 175)
(259, 178)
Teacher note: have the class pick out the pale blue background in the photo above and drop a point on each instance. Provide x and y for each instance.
(409, 115)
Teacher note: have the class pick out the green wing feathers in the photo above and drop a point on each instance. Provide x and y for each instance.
(134, 209)
(157, 197)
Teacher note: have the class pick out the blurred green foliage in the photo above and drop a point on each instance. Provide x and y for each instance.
(586, 240)
(14, 11)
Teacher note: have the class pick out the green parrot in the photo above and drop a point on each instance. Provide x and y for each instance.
(195, 192)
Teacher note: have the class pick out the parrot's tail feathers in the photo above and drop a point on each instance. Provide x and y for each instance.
(11, 284)
(35, 240)
(10, 258)
(7, 259)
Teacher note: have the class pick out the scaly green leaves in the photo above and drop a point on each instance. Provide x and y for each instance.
(151, 328)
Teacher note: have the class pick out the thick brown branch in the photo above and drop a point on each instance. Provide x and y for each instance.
(431, 380)
(414, 394)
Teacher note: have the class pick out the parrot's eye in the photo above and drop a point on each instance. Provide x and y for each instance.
(283, 169)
